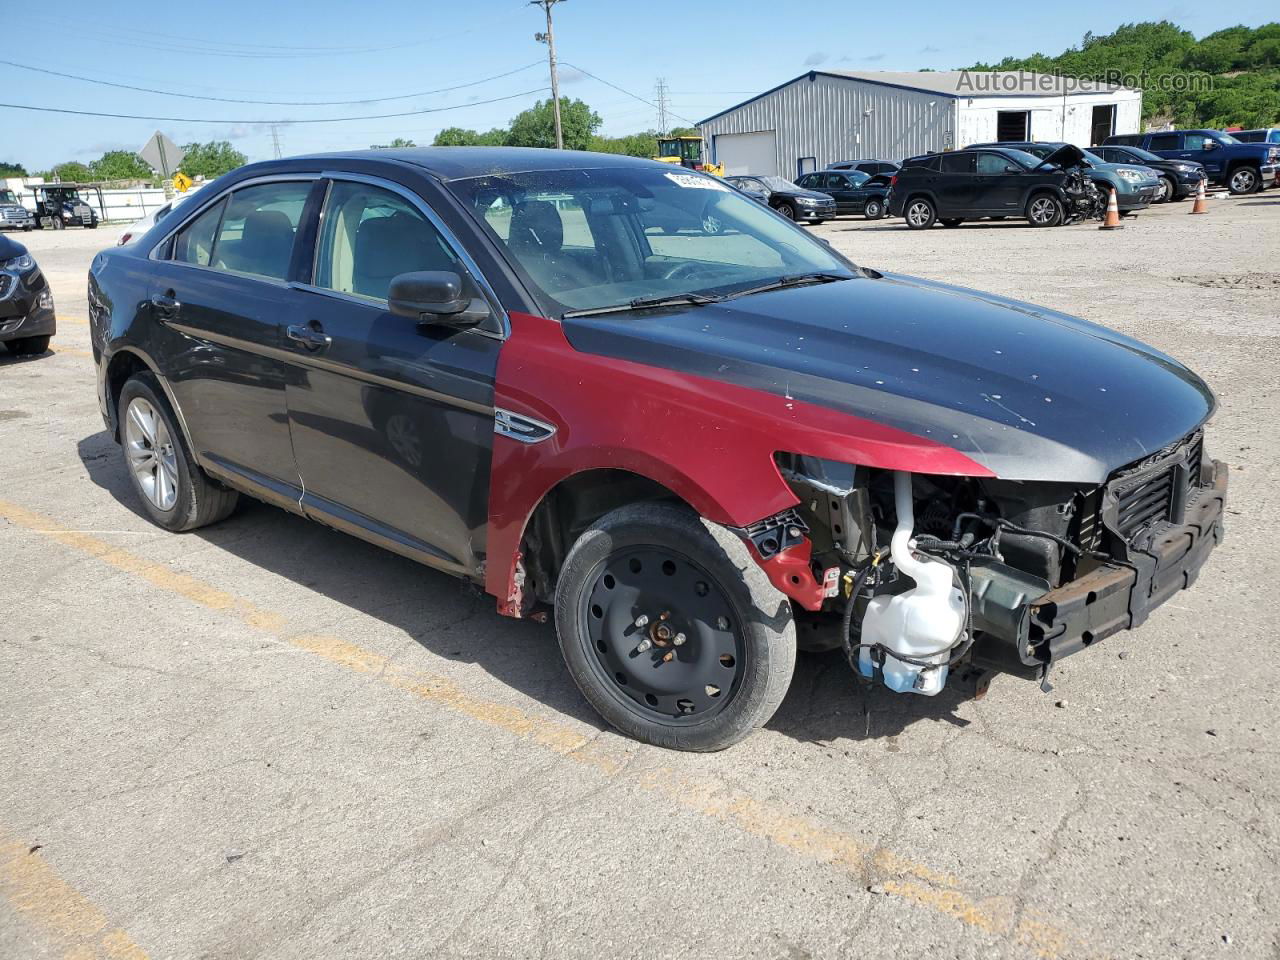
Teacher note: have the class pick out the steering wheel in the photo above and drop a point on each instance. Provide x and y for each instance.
(686, 268)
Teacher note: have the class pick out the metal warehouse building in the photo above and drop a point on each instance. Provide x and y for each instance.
(825, 116)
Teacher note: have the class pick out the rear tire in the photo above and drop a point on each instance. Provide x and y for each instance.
(726, 662)
(197, 500)
(919, 213)
(28, 346)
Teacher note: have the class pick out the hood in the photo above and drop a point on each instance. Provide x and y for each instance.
(10, 248)
(802, 192)
(1067, 155)
(1027, 392)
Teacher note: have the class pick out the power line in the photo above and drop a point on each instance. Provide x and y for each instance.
(633, 96)
(273, 103)
(376, 116)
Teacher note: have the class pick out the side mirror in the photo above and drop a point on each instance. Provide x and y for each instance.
(1210, 145)
(1010, 168)
(435, 297)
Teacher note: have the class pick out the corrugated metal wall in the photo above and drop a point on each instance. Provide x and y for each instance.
(830, 119)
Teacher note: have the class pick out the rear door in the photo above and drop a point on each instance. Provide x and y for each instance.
(1167, 145)
(392, 421)
(956, 186)
(220, 297)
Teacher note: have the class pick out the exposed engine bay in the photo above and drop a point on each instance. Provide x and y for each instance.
(931, 579)
(1084, 200)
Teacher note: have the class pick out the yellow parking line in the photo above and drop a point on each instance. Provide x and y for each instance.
(904, 878)
(78, 929)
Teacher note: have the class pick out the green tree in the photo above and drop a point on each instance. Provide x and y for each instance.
(12, 169)
(395, 144)
(72, 172)
(536, 127)
(462, 137)
(211, 159)
(120, 165)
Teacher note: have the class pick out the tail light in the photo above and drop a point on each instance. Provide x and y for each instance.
(893, 181)
(124, 239)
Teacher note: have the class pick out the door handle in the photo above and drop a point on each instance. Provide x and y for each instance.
(166, 307)
(309, 337)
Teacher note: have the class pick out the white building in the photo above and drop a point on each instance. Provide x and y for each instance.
(828, 115)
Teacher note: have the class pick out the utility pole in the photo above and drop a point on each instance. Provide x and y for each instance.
(660, 96)
(549, 38)
(275, 140)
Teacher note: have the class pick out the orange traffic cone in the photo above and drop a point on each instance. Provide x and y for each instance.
(1113, 213)
(1200, 206)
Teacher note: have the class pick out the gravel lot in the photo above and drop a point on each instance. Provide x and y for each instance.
(267, 739)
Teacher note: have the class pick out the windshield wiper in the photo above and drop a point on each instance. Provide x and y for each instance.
(793, 280)
(642, 303)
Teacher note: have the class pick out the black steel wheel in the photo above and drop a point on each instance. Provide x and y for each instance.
(874, 209)
(671, 630)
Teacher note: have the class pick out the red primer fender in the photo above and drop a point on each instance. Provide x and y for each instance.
(708, 441)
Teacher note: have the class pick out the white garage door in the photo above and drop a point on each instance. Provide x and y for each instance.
(754, 153)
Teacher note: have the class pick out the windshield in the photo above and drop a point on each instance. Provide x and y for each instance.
(1021, 157)
(1141, 154)
(777, 183)
(856, 177)
(585, 239)
(1225, 138)
(7, 196)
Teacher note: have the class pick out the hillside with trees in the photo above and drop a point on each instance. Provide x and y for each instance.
(1228, 78)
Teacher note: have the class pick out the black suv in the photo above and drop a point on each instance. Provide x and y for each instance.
(852, 190)
(950, 188)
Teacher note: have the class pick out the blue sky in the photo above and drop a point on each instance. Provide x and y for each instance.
(712, 56)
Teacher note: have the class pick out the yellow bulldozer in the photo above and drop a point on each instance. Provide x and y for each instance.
(687, 152)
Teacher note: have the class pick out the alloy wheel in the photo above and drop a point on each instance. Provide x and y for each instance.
(663, 635)
(1043, 210)
(1243, 181)
(786, 211)
(149, 449)
(918, 214)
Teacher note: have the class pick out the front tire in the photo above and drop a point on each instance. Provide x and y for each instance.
(671, 630)
(919, 213)
(28, 346)
(175, 493)
(951, 221)
(1244, 180)
(874, 209)
(1168, 190)
(787, 210)
(1044, 210)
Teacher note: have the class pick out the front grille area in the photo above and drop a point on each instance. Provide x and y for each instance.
(1156, 489)
(5, 281)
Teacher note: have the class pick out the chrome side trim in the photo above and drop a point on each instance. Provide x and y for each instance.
(519, 427)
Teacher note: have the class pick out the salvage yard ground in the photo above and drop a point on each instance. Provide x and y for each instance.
(267, 739)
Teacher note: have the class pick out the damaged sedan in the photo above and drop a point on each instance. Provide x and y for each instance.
(696, 452)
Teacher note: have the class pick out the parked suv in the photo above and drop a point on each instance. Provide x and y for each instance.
(697, 451)
(870, 167)
(950, 188)
(13, 215)
(1240, 167)
(853, 191)
(1134, 185)
(1179, 179)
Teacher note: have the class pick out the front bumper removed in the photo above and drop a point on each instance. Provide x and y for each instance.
(1025, 632)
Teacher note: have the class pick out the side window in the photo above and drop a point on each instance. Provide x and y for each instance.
(195, 241)
(992, 164)
(957, 163)
(369, 235)
(808, 181)
(256, 236)
(886, 168)
(1194, 141)
(838, 180)
(1164, 141)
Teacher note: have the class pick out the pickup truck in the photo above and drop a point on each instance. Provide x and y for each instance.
(1240, 167)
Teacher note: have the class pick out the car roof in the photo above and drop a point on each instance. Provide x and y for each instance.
(461, 163)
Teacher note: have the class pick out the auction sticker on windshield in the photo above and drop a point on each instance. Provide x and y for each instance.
(695, 183)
